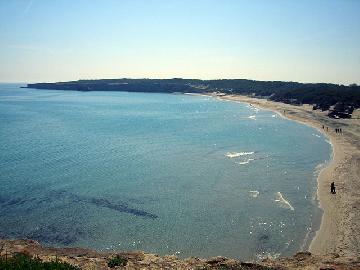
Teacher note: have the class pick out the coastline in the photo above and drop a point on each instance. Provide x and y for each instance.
(88, 259)
(339, 230)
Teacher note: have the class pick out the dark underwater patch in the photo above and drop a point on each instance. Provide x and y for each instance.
(263, 244)
(118, 206)
(65, 231)
(55, 235)
(264, 238)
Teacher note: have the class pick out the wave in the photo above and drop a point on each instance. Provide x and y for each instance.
(238, 154)
(252, 117)
(252, 107)
(319, 167)
(245, 162)
(254, 193)
(283, 202)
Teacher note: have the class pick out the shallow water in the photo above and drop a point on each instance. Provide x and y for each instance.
(168, 174)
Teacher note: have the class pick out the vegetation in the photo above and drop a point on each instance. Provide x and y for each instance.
(117, 261)
(321, 95)
(22, 261)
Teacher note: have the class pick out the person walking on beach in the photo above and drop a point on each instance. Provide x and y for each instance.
(332, 188)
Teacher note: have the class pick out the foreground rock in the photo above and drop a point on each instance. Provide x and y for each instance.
(90, 259)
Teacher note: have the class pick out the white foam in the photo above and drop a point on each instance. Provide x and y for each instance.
(252, 117)
(318, 168)
(245, 162)
(238, 154)
(254, 193)
(252, 107)
(274, 115)
(283, 202)
(232, 154)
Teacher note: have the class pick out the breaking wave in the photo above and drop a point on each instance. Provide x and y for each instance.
(238, 154)
(245, 162)
(283, 202)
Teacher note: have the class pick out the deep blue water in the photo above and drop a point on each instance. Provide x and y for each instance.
(163, 173)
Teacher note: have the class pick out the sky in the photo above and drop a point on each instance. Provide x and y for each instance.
(287, 40)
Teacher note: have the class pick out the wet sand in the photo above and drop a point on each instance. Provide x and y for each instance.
(340, 224)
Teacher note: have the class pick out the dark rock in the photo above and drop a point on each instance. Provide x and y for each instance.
(215, 260)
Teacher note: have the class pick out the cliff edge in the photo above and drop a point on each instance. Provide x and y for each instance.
(90, 259)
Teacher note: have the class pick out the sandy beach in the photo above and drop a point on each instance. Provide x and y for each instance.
(340, 225)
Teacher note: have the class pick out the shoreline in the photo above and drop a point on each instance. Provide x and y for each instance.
(339, 230)
(316, 220)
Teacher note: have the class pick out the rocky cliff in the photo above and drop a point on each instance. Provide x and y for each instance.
(90, 259)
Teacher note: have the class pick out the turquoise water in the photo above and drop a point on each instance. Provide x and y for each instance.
(168, 174)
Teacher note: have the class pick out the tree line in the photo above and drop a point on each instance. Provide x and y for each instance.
(341, 99)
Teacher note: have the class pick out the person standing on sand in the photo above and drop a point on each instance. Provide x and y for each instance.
(332, 188)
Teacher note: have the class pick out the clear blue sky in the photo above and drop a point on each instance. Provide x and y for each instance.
(307, 40)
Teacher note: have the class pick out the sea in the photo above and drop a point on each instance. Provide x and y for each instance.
(163, 173)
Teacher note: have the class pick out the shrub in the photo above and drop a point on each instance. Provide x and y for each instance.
(117, 261)
(22, 261)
